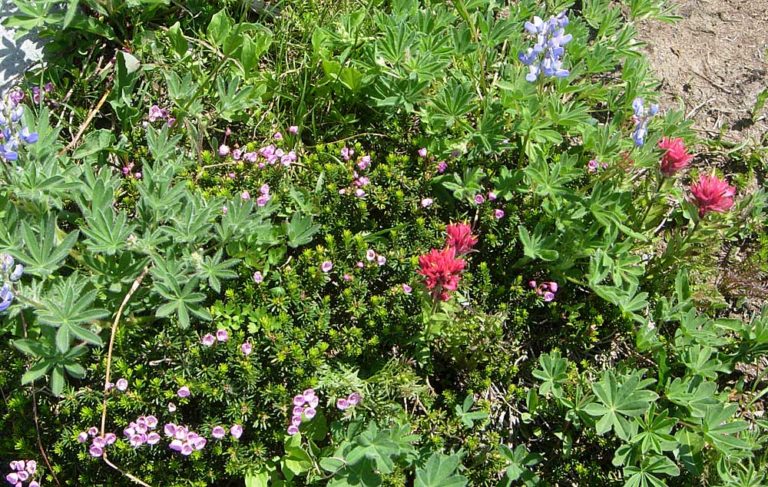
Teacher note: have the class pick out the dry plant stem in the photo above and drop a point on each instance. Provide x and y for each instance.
(36, 416)
(87, 122)
(134, 287)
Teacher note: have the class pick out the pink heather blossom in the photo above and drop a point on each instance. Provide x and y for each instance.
(137, 175)
(532, 284)
(237, 154)
(326, 266)
(347, 277)
(245, 195)
(121, 384)
(293, 129)
(313, 401)
(498, 214)
(224, 210)
(426, 202)
(278, 136)
(711, 193)
(359, 193)
(296, 419)
(292, 430)
(370, 255)
(218, 432)
(308, 394)
(364, 162)
(222, 335)
(13, 478)
(262, 200)
(208, 340)
(347, 153)
(381, 260)
(298, 410)
(153, 438)
(237, 431)
(354, 399)
(675, 158)
(592, 166)
(110, 438)
(407, 289)
(491, 196)
(95, 451)
(246, 348)
(360, 265)
(423, 152)
(548, 296)
(441, 167)
(183, 392)
(299, 400)
(171, 407)
(155, 113)
(257, 277)
(310, 412)
(223, 150)
(553, 286)
(479, 199)
(93, 431)
(82, 437)
(342, 404)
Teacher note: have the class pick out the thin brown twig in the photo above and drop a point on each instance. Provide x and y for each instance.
(36, 416)
(113, 333)
(87, 122)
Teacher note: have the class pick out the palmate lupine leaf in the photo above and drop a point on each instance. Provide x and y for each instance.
(619, 401)
(647, 475)
(552, 372)
(182, 300)
(721, 432)
(106, 231)
(68, 306)
(440, 471)
(213, 269)
(40, 253)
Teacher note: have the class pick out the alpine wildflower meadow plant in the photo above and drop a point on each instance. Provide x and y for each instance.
(675, 157)
(641, 117)
(712, 194)
(544, 59)
(12, 133)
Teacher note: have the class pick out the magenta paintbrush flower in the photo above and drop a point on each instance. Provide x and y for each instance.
(711, 193)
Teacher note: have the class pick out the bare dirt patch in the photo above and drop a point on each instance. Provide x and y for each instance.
(713, 61)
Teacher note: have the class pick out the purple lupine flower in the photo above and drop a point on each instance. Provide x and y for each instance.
(641, 118)
(121, 385)
(218, 432)
(208, 340)
(6, 297)
(236, 431)
(246, 348)
(222, 335)
(498, 213)
(544, 58)
(326, 266)
(27, 136)
(183, 392)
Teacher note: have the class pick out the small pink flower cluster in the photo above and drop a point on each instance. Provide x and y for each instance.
(593, 166)
(184, 440)
(360, 181)
(127, 171)
(546, 290)
(348, 402)
(38, 94)
(99, 443)
(235, 430)
(304, 405)
(139, 432)
(222, 336)
(156, 113)
(371, 255)
(267, 155)
(22, 471)
(498, 213)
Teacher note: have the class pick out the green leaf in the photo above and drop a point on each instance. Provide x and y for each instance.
(94, 142)
(57, 381)
(552, 372)
(619, 400)
(219, 27)
(178, 41)
(440, 471)
(300, 230)
(37, 371)
(296, 460)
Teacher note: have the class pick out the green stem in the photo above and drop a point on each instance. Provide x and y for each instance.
(653, 197)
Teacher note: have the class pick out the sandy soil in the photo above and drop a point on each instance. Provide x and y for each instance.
(714, 62)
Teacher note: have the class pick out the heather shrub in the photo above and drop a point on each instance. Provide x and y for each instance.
(399, 243)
